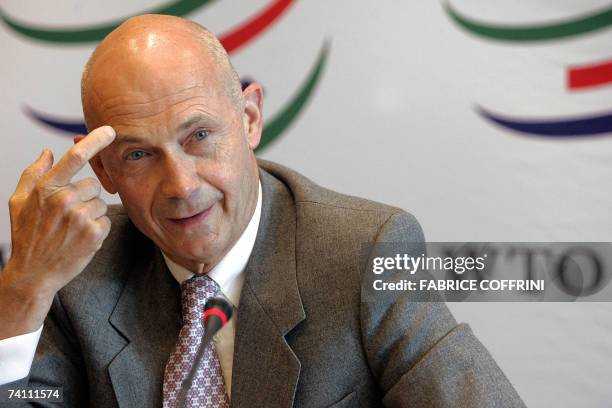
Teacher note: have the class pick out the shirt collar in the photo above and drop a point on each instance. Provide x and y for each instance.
(229, 272)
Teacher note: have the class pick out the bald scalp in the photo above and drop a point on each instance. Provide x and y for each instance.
(171, 27)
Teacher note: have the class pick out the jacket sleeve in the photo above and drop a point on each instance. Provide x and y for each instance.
(57, 363)
(419, 354)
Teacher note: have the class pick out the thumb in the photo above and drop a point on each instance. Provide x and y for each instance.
(45, 161)
(34, 172)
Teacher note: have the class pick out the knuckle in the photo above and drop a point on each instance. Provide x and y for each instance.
(99, 231)
(97, 207)
(97, 188)
(95, 234)
(77, 156)
(80, 217)
(62, 201)
(13, 202)
(89, 186)
(90, 181)
(102, 210)
(105, 225)
(43, 190)
(103, 206)
(40, 187)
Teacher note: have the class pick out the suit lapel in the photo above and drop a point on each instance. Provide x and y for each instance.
(265, 370)
(148, 315)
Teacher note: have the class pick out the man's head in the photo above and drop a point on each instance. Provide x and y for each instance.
(183, 161)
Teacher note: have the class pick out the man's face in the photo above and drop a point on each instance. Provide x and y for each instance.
(182, 161)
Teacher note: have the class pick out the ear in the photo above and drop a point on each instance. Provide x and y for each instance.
(98, 168)
(253, 113)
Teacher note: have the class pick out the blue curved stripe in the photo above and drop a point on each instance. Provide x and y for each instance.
(65, 126)
(559, 127)
(75, 127)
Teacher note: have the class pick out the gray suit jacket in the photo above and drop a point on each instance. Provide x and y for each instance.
(304, 338)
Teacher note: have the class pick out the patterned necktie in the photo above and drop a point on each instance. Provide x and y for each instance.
(208, 389)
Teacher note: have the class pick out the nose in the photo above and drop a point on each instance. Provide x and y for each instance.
(180, 178)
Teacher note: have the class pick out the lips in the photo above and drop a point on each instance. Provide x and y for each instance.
(192, 219)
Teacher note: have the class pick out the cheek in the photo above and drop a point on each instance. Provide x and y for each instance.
(136, 194)
(222, 175)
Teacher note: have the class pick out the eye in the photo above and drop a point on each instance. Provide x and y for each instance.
(135, 155)
(201, 135)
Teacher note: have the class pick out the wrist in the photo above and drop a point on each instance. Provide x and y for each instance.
(24, 305)
(25, 283)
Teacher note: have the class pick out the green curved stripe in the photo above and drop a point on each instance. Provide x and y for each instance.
(98, 32)
(283, 119)
(543, 32)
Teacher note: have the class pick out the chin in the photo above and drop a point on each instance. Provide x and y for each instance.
(198, 253)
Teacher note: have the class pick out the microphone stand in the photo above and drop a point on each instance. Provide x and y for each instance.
(221, 313)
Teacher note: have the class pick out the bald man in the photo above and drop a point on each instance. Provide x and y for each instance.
(110, 298)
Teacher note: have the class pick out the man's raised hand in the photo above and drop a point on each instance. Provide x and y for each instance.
(57, 226)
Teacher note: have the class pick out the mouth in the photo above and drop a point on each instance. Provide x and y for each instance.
(192, 219)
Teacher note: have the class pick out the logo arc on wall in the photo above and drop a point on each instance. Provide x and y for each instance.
(95, 33)
(534, 32)
(585, 76)
(233, 40)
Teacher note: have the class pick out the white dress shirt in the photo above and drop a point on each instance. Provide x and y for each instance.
(17, 353)
(16, 356)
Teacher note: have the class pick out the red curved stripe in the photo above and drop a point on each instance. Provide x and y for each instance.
(250, 28)
(587, 76)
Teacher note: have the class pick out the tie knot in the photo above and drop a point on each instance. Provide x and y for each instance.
(195, 293)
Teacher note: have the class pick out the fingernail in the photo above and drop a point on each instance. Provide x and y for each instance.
(109, 131)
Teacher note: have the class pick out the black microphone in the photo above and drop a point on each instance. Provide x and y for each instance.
(217, 313)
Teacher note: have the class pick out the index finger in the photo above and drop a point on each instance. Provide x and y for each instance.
(79, 154)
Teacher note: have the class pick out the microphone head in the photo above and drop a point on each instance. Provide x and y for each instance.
(217, 306)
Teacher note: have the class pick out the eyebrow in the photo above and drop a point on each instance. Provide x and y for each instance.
(127, 139)
(189, 122)
(192, 120)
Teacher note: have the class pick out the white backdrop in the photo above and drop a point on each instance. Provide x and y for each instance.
(393, 119)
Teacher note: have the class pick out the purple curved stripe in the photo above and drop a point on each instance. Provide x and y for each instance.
(559, 127)
(75, 127)
(66, 126)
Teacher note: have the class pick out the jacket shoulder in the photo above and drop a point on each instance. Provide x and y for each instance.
(329, 207)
